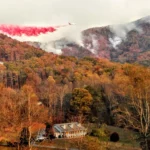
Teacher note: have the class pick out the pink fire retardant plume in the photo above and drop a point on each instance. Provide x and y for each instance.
(15, 30)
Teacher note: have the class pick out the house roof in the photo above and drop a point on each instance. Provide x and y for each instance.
(64, 127)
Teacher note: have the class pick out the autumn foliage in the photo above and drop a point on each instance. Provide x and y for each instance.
(43, 87)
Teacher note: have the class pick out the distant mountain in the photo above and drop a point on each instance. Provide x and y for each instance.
(121, 43)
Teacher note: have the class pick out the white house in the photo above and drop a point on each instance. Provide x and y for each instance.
(1, 63)
(69, 130)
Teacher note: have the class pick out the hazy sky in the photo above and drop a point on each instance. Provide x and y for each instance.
(84, 13)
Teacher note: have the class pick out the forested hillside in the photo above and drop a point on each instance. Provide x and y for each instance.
(45, 87)
(133, 46)
(13, 50)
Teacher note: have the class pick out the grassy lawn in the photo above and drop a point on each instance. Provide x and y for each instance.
(88, 143)
(126, 136)
(127, 141)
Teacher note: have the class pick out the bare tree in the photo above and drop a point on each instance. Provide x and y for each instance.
(136, 112)
(52, 96)
(32, 112)
(62, 90)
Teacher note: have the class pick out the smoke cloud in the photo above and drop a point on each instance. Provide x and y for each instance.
(122, 30)
(115, 41)
(85, 13)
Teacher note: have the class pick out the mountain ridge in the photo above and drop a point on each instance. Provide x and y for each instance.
(120, 43)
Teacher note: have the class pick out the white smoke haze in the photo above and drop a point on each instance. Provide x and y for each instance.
(95, 44)
(115, 41)
(146, 19)
(49, 47)
(85, 13)
(122, 30)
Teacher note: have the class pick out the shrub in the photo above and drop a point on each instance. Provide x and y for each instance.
(114, 137)
(101, 133)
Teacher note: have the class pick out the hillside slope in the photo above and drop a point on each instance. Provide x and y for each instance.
(13, 50)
